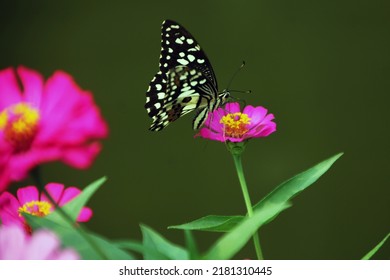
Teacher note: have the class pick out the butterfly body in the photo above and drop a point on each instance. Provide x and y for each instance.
(185, 81)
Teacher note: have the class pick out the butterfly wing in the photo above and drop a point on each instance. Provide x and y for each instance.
(179, 47)
(185, 81)
(186, 90)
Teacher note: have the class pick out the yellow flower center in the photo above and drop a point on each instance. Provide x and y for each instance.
(19, 124)
(36, 208)
(236, 124)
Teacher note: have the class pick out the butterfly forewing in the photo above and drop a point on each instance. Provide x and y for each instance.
(185, 82)
(179, 47)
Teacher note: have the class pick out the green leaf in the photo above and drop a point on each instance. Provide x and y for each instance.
(211, 223)
(376, 248)
(133, 245)
(72, 238)
(230, 243)
(73, 207)
(158, 248)
(281, 194)
(297, 184)
(191, 245)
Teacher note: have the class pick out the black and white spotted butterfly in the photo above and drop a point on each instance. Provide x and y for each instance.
(185, 81)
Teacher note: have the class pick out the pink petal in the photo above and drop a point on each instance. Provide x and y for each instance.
(208, 134)
(27, 194)
(265, 130)
(12, 242)
(55, 190)
(82, 156)
(68, 195)
(85, 215)
(9, 88)
(4, 177)
(67, 254)
(9, 207)
(232, 107)
(42, 246)
(214, 120)
(32, 84)
(236, 140)
(256, 114)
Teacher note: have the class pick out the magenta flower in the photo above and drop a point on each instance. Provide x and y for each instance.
(230, 124)
(45, 121)
(29, 201)
(15, 244)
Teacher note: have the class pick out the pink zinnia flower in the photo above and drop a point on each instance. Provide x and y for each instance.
(45, 121)
(15, 244)
(230, 124)
(29, 201)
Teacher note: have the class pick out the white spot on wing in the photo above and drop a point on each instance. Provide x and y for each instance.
(182, 54)
(193, 83)
(182, 61)
(200, 60)
(158, 87)
(157, 105)
(190, 41)
(175, 26)
(190, 57)
(160, 95)
(179, 41)
(170, 50)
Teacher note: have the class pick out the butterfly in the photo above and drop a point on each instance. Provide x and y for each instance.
(185, 81)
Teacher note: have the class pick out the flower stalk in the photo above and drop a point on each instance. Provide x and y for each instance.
(236, 149)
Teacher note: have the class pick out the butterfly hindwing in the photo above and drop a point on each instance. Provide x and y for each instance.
(186, 90)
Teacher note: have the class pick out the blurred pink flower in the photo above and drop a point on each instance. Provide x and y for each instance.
(45, 121)
(15, 244)
(29, 201)
(230, 124)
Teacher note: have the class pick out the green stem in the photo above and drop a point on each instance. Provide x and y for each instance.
(35, 174)
(248, 204)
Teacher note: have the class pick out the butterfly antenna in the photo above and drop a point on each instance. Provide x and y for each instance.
(240, 91)
(235, 74)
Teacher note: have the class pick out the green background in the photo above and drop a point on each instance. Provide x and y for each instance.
(322, 67)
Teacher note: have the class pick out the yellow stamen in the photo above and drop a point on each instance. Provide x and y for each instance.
(236, 124)
(3, 119)
(19, 123)
(36, 208)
